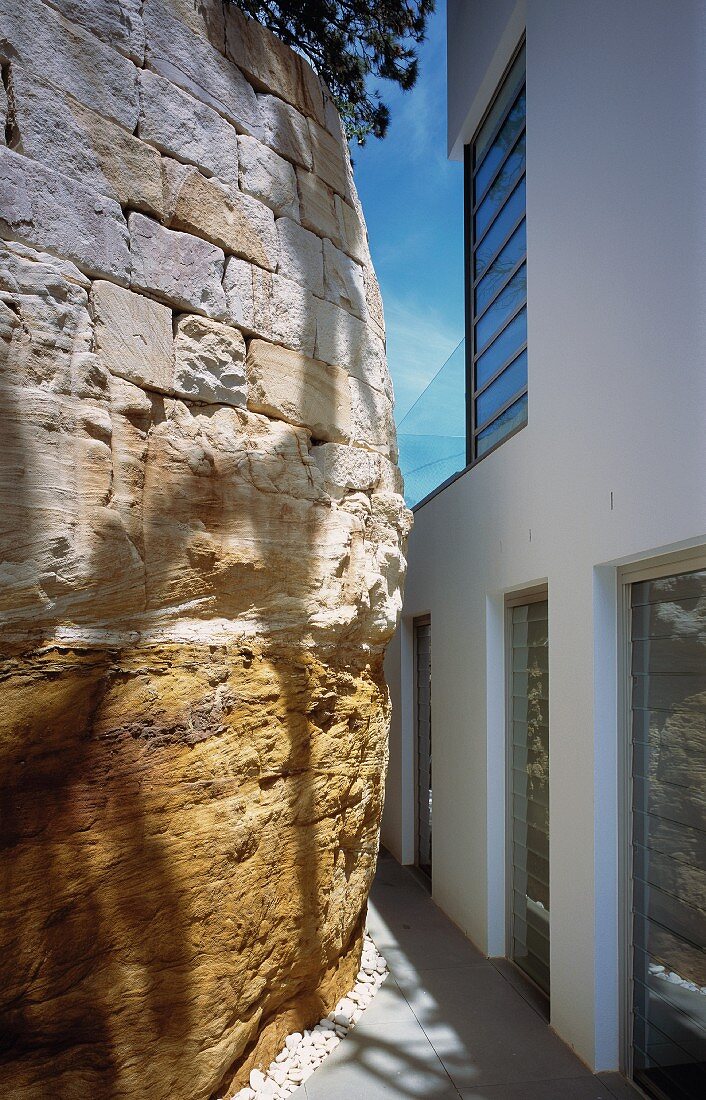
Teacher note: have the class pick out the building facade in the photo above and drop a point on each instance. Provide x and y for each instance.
(556, 595)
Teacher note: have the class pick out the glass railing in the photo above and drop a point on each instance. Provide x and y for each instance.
(432, 434)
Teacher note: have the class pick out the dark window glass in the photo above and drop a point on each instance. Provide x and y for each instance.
(668, 912)
(529, 758)
(497, 321)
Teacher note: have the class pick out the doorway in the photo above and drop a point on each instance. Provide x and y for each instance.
(666, 911)
(528, 787)
(422, 687)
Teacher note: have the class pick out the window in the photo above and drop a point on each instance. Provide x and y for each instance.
(528, 788)
(496, 270)
(422, 651)
(667, 911)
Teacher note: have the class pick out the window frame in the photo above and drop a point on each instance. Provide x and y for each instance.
(536, 593)
(691, 559)
(470, 282)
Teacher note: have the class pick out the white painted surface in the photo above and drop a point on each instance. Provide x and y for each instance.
(616, 215)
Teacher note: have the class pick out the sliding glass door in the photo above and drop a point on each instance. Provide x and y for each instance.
(529, 789)
(668, 864)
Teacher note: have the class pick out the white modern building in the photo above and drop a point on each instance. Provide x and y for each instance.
(556, 597)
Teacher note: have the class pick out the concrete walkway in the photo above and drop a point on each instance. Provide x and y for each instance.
(448, 1022)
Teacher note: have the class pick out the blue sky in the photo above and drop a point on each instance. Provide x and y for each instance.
(413, 202)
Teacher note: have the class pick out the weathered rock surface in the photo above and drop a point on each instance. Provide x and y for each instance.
(201, 551)
(188, 59)
(290, 386)
(58, 132)
(185, 271)
(238, 223)
(209, 362)
(268, 177)
(182, 127)
(285, 130)
(60, 53)
(45, 208)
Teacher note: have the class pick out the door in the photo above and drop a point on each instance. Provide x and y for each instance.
(667, 632)
(422, 659)
(528, 759)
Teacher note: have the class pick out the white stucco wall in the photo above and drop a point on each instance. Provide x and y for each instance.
(611, 467)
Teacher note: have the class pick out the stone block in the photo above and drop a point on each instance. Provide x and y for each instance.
(183, 270)
(209, 362)
(185, 128)
(185, 57)
(300, 256)
(248, 291)
(285, 130)
(133, 336)
(391, 480)
(270, 306)
(272, 66)
(355, 237)
(332, 119)
(373, 301)
(346, 340)
(49, 210)
(290, 386)
(344, 283)
(57, 52)
(293, 315)
(327, 156)
(372, 422)
(117, 22)
(347, 469)
(268, 177)
(317, 207)
(237, 223)
(63, 135)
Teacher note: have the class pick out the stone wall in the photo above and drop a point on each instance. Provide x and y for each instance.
(201, 550)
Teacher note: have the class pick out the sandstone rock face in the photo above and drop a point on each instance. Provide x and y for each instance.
(202, 550)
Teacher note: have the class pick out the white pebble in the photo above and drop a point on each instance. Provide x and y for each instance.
(292, 1041)
(257, 1079)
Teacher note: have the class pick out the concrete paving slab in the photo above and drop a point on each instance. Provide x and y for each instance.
(448, 1023)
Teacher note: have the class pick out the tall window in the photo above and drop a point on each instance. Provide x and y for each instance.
(496, 269)
(668, 889)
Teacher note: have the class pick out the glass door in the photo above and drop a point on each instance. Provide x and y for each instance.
(422, 659)
(668, 851)
(529, 789)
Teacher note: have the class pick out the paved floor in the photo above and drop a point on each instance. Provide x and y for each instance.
(448, 1022)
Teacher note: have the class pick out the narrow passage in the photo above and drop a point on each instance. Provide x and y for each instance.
(448, 1022)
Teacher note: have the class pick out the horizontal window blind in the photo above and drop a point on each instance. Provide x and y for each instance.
(497, 275)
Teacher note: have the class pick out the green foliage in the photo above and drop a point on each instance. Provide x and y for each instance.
(348, 41)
